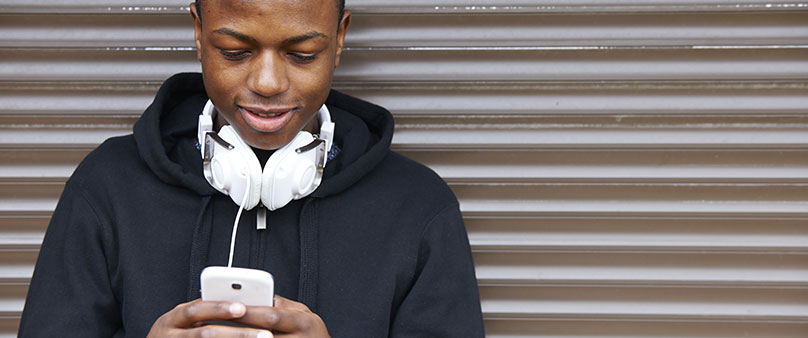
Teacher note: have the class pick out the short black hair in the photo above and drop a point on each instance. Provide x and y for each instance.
(340, 6)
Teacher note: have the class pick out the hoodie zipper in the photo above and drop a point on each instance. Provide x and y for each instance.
(257, 247)
(261, 221)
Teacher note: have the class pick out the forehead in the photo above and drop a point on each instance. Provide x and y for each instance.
(265, 8)
(271, 21)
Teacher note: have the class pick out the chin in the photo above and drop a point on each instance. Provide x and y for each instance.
(267, 145)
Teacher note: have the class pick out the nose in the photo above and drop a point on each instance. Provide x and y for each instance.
(268, 75)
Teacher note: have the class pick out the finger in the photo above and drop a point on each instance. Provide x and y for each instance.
(228, 331)
(191, 313)
(286, 303)
(280, 319)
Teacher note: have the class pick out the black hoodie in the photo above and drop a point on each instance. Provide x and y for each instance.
(379, 249)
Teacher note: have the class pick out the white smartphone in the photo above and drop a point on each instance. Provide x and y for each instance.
(250, 287)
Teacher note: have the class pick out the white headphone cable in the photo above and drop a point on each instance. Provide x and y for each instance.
(235, 224)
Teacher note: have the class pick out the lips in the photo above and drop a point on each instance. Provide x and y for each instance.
(266, 119)
(267, 114)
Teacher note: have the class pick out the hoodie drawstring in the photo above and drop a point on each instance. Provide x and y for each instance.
(199, 247)
(309, 255)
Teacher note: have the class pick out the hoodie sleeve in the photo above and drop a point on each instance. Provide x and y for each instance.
(70, 293)
(444, 300)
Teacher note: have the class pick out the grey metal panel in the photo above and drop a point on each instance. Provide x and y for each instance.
(631, 168)
(157, 7)
(376, 31)
(620, 99)
(486, 64)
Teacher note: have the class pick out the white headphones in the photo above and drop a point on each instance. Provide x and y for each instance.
(292, 172)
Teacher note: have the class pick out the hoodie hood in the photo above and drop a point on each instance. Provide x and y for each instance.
(169, 125)
(172, 116)
(166, 139)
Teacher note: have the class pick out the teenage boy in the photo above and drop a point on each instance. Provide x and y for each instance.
(373, 245)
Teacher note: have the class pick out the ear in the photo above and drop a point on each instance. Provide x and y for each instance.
(343, 28)
(197, 31)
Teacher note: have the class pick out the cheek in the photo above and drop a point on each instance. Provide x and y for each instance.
(313, 81)
(220, 79)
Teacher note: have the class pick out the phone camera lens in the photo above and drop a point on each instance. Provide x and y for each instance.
(236, 286)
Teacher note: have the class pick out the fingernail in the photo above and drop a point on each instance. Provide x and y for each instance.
(264, 334)
(237, 309)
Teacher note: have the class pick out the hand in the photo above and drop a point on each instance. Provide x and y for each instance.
(188, 320)
(287, 319)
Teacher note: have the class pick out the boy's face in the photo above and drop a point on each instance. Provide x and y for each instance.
(268, 64)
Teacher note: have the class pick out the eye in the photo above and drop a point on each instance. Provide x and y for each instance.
(234, 55)
(303, 57)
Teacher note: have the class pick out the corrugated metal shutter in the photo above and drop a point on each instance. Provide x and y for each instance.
(632, 168)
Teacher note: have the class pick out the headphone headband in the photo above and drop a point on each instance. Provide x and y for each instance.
(292, 172)
(209, 112)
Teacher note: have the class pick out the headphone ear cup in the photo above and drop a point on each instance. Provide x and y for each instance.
(235, 169)
(288, 175)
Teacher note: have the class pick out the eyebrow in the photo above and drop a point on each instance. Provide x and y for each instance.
(304, 37)
(292, 40)
(237, 35)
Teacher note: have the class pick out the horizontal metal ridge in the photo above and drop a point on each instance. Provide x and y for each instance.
(643, 249)
(11, 314)
(622, 177)
(87, 147)
(539, 241)
(662, 84)
(490, 132)
(433, 65)
(22, 214)
(76, 48)
(638, 329)
(17, 275)
(437, 7)
(74, 139)
(590, 283)
(21, 245)
(26, 174)
(70, 85)
(54, 48)
(632, 303)
(488, 316)
(33, 242)
(436, 99)
(594, 283)
(772, 167)
(726, 121)
(581, 32)
(481, 85)
(43, 7)
(791, 189)
(651, 284)
(450, 140)
(619, 131)
(494, 7)
(477, 212)
(693, 209)
(540, 48)
(11, 281)
(686, 234)
(645, 317)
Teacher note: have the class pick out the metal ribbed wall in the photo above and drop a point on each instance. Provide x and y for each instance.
(631, 168)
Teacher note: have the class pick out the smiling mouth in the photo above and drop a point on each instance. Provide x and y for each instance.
(267, 120)
(266, 115)
(268, 112)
